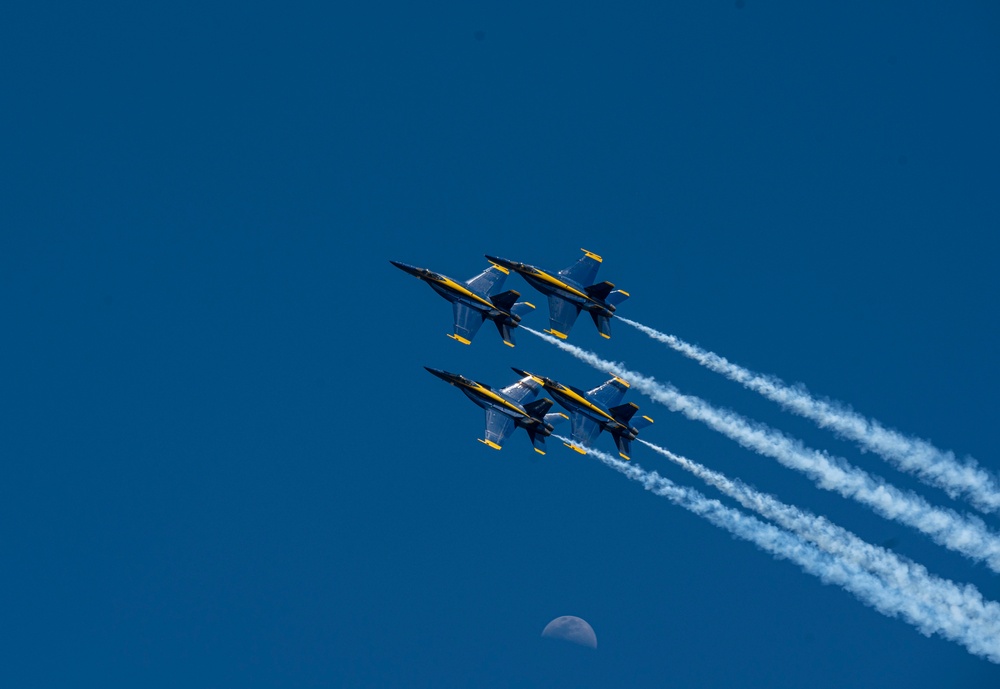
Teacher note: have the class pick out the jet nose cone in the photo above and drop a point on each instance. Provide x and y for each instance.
(537, 379)
(443, 375)
(502, 262)
(412, 270)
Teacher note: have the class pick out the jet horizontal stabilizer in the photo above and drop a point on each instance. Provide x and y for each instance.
(521, 308)
(642, 422)
(617, 297)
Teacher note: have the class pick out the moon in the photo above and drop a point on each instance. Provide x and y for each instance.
(573, 629)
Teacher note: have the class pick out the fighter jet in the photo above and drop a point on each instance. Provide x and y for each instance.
(509, 408)
(571, 290)
(476, 300)
(594, 411)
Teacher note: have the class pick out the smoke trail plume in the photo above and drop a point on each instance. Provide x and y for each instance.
(865, 586)
(960, 612)
(962, 533)
(934, 466)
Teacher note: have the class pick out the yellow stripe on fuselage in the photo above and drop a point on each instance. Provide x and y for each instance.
(561, 285)
(585, 402)
(465, 291)
(489, 394)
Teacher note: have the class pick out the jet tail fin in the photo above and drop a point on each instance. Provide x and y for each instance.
(505, 300)
(600, 291)
(539, 408)
(623, 413)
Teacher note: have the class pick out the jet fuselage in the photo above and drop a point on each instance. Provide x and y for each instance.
(475, 301)
(554, 285)
(452, 290)
(488, 398)
(574, 400)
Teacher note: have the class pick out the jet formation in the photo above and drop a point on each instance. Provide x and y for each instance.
(569, 291)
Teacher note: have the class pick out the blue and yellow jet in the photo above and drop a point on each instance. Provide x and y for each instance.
(570, 291)
(512, 407)
(596, 411)
(475, 300)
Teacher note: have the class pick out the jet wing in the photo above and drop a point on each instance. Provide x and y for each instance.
(584, 429)
(584, 271)
(562, 316)
(499, 426)
(467, 322)
(488, 282)
(523, 391)
(609, 394)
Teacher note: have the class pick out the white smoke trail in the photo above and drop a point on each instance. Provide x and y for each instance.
(934, 466)
(964, 534)
(959, 612)
(865, 586)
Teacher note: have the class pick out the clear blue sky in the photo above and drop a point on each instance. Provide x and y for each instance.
(224, 463)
